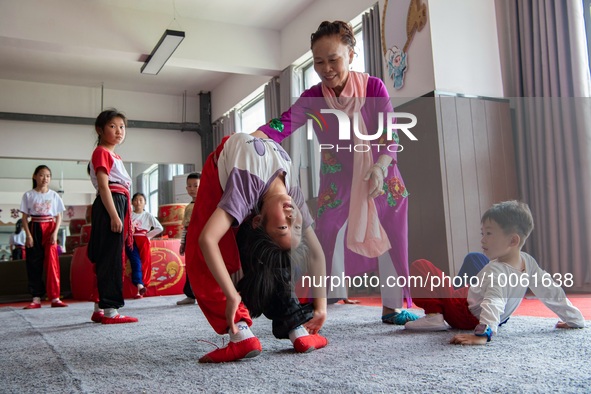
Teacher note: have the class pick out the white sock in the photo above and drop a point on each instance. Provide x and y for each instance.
(96, 307)
(111, 312)
(37, 300)
(299, 331)
(242, 334)
(55, 300)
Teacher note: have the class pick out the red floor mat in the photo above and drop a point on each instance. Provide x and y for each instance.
(529, 306)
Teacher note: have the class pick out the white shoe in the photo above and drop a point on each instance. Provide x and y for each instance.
(186, 301)
(432, 322)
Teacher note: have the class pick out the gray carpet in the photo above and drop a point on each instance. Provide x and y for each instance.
(62, 351)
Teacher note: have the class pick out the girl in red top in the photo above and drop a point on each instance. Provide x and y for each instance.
(111, 218)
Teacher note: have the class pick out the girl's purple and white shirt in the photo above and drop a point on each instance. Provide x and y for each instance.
(247, 166)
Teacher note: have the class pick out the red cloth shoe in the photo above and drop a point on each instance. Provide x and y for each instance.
(33, 305)
(310, 343)
(58, 304)
(97, 317)
(138, 296)
(118, 319)
(247, 348)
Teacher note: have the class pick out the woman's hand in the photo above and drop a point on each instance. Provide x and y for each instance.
(375, 177)
(53, 238)
(29, 242)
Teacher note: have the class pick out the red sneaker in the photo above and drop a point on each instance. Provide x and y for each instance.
(58, 304)
(118, 319)
(310, 343)
(33, 305)
(247, 348)
(97, 317)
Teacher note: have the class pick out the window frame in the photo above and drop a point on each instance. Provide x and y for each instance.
(256, 100)
(587, 17)
(150, 190)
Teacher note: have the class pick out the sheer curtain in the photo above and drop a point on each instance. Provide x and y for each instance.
(280, 93)
(372, 43)
(272, 98)
(224, 126)
(546, 72)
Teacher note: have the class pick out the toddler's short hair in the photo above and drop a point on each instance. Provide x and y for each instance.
(513, 217)
(194, 175)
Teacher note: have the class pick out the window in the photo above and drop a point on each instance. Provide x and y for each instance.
(587, 15)
(252, 114)
(151, 185)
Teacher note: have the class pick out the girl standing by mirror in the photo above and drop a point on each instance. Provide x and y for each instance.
(145, 227)
(44, 208)
(17, 241)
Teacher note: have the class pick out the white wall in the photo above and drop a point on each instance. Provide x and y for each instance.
(465, 47)
(232, 91)
(419, 77)
(76, 142)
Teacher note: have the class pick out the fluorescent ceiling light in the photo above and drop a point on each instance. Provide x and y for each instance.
(169, 41)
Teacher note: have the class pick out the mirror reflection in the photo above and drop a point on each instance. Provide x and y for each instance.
(161, 183)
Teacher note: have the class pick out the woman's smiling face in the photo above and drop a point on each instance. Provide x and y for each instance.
(332, 59)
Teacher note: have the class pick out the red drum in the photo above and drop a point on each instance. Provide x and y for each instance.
(82, 276)
(85, 234)
(172, 230)
(72, 242)
(76, 225)
(169, 213)
(168, 272)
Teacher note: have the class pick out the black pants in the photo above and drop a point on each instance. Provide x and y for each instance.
(105, 250)
(283, 307)
(35, 258)
(187, 288)
(17, 253)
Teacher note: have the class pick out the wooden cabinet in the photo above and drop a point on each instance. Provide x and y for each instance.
(462, 163)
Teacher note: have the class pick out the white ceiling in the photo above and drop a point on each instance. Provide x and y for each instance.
(104, 42)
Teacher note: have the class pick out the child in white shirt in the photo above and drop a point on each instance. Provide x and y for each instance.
(498, 289)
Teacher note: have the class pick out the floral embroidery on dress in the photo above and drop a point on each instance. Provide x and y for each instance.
(329, 164)
(395, 190)
(276, 124)
(327, 199)
(384, 137)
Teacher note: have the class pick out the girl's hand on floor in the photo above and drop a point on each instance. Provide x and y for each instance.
(315, 324)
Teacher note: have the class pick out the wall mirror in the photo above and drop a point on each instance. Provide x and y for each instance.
(161, 183)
